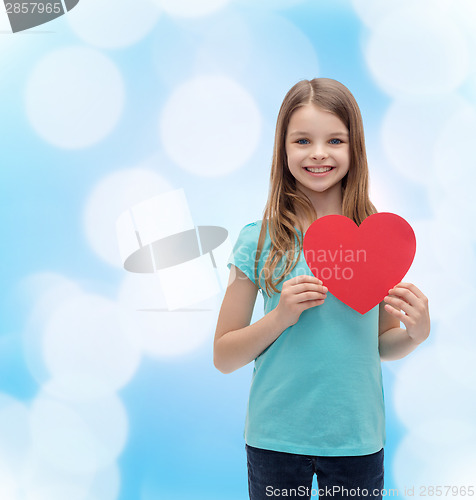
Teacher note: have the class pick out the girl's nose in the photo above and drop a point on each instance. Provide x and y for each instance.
(320, 154)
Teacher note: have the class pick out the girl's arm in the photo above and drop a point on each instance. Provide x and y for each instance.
(236, 341)
(405, 303)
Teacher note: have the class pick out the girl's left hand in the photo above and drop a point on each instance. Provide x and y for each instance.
(407, 303)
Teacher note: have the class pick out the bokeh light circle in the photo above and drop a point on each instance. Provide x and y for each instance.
(112, 24)
(421, 464)
(162, 333)
(122, 189)
(422, 391)
(84, 338)
(80, 438)
(372, 12)
(455, 163)
(416, 52)
(14, 432)
(435, 263)
(190, 8)
(411, 132)
(210, 126)
(46, 292)
(67, 104)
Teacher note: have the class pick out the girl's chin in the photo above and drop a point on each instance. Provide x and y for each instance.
(313, 187)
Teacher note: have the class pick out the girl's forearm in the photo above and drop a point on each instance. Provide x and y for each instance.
(395, 344)
(238, 347)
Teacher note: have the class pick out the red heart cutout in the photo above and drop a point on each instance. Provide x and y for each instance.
(359, 264)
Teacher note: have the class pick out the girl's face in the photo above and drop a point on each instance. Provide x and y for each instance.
(317, 139)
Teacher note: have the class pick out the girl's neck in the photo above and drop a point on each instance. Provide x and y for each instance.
(326, 203)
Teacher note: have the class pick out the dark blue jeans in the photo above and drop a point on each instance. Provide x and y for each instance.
(274, 474)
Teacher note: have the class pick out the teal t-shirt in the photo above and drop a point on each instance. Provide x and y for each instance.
(317, 389)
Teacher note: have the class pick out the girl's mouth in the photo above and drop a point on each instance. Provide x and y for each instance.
(320, 171)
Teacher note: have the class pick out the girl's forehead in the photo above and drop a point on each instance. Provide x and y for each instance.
(312, 116)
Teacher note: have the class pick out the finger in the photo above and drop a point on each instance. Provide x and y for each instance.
(404, 294)
(310, 296)
(410, 286)
(317, 302)
(304, 278)
(398, 314)
(307, 287)
(398, 304)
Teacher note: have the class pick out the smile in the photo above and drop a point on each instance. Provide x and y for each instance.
(319, 171)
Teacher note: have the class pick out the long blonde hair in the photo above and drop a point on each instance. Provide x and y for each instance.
(279, 214)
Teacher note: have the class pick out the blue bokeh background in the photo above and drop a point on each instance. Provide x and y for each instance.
(182, 420)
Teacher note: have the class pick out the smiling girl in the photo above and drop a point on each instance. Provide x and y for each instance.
(316, 402)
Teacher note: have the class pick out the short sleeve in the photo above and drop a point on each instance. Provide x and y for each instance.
(244, 252)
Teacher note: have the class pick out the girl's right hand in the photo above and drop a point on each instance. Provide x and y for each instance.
(298, 294)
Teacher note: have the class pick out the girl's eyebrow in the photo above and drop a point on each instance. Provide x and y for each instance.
(299, 132)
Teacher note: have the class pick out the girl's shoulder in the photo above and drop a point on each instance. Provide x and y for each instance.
(251, 233)
(256, 227)
(256, 223)
(259, 223)
(253, 226)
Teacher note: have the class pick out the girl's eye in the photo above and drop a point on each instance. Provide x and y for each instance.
(332, 141)
(299, 141)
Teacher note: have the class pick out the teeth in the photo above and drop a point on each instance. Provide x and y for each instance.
(319, 170)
